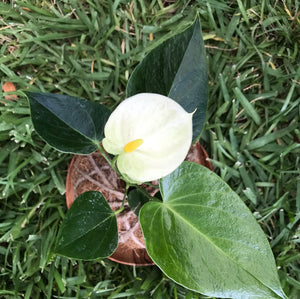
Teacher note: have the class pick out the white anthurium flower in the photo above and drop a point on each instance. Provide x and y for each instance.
(151, 134)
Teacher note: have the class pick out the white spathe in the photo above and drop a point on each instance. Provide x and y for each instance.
(151, 134)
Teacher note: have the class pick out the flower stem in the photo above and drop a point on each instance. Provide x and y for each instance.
(103, 153)
(112, 163)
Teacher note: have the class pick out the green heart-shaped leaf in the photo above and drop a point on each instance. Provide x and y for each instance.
(204, 237)
(177, 69)
(89, 230)
(67, 123)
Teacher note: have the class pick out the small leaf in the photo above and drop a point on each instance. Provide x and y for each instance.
(177, 69)
(89, 230)
(136, 200)
(203, 237)
(67, 123)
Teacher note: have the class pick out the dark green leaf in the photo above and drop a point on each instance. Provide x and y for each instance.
(67, 123)
(205, 238)
(136, 200)
(176, 68)
(89, 230)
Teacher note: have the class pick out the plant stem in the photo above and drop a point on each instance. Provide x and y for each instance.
(152, 185)
(151, 198)
(124, 198)
(103, 153)
(112, 163)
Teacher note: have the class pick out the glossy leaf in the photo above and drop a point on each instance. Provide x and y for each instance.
(203, 237)
(136, 199)
(177, 69)
(89, 230)
(67, 123)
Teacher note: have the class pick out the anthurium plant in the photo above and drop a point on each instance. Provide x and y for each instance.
(197, 230)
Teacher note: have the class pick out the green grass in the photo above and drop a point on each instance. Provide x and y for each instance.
(88, 49)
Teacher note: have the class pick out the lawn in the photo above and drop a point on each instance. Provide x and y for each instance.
(89, 49)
